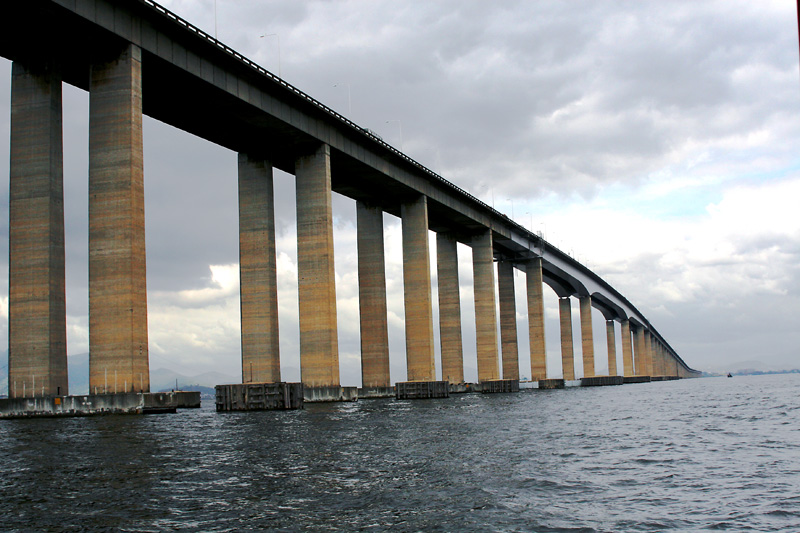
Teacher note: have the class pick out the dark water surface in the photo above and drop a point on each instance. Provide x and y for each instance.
(692, 455)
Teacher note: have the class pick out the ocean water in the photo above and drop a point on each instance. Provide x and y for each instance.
(692, 455)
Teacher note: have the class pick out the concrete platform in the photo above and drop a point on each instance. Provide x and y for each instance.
(259, 396)
(418, 390)
(375, 392)
(89, 405)
(330, 394)
(499, 386)
(636, 379)
(601, 381)
(187, 399)
(551, 383)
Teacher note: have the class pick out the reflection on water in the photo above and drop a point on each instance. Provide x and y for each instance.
(689, 455)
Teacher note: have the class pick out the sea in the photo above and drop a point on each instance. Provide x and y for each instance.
(710, 454)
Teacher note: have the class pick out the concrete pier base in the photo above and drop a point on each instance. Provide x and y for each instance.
(259, 396)
(187, 399)
(330, 394)
(375, 392)
(636, 379)
(89, 405)
(601, 381)
(461, 388)
(499, 385)
(417, 390)
(551, 383)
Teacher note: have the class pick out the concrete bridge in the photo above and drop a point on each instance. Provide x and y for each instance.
(135, 57)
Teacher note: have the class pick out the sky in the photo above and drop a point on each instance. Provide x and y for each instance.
(656, 142)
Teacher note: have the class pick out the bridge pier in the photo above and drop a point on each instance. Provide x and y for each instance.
(417, 290)
(449, 309)
(372, 297)
(587, 337)
(37, 331)
(611, 342)
(508, 320)
(567, 353)
(485, 310)
(627, 348)
(258, 272)
(648, 352)
(535, 296)
(118, 343)
(319, 349)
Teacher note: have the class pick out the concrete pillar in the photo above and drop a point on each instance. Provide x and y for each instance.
(677, 368)
(658, 356)
(261, 362)
(640, 359)
(372, 297)
(648, 352)
(627, 348)
(449, 309)
(508, 320)
(567, 353)
(587, 338)
(118, 344)
(611, 342)
(417, 291)
(319, 346)
(37, 331)
(485, 312)
(533, 280)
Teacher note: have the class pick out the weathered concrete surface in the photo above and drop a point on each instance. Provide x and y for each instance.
(37, 331)
(372, 297)
(627, 348)
(118, 343)
(499, 386)
(611, 344)
(485, 310)
(261, 362)
(417, 291)
(376, 392)
(508, 320)
(259, 396)
(419, 390)
(567, 353)
(587, 337)
(640, 360)
(89, 405)
(636, 379)
(601, 381)
(319, 345)
(330, 394)
(648, 352)
(449, 309)
(551, 383)
(535, 296)
(187, 399)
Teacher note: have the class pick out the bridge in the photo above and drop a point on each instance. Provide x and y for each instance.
(136, 58)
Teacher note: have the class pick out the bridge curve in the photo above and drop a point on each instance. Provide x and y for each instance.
(182, 70)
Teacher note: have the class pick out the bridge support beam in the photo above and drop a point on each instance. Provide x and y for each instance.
(508, 320)
(587, 337)
(535, 296)
(449, 309)
(319, 346)
(485, 311)
(258, 272)
(372, 297)
(37, 331)
(567, 352)
(611, 342)
(648, 352)
(417, 291)
(118, 344)
(627, 349)
(640, 360)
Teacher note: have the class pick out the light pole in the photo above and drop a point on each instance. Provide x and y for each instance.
(278, 38)
(400, 126)
(349, 100)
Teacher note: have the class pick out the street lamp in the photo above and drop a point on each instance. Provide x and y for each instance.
(278, 37)
(399, 125)
(349, 101)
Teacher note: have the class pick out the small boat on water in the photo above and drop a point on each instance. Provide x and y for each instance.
(730, 375)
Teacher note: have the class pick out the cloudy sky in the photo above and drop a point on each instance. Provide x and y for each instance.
(658, 142)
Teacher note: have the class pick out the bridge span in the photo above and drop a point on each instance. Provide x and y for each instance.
(134, 57)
